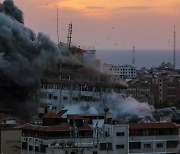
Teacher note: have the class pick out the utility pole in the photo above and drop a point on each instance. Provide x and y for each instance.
(174, 54)
(133, 60)
(57, 24)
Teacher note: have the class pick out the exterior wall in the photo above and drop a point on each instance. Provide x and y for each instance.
(57, 95)
(141, 91)
(57, 98)
(153, 142)
(120, 139)
(69, 150)
(10, 141)
(158, 139)
(117, 135)
(37, 142)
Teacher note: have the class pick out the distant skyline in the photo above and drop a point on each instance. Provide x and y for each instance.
(104, 24)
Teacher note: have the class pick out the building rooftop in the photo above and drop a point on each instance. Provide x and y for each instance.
(54, 128)
(75, 117)
(5, 117)
(51, 115)
(153, 125)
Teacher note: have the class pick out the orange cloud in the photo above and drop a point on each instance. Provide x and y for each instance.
(106, 8)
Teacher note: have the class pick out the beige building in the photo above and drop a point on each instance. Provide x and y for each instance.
(10, 141)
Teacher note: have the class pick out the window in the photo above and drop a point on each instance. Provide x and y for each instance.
(65, 98)
(50, 96)
(119, 133)
(147, 146)
(109, 146)
(172, 144)
(55, 97)
(135, 145)
(106, 134)
(94, 152)
(36, 148)
(105, 146)
(102, 146)
(75, 98)
(24, 145)
(54, 107)
(30, 147)
(43, 148)
(121, 146)
(159, 145)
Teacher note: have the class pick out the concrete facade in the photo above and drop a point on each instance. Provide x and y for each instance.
(10, 141)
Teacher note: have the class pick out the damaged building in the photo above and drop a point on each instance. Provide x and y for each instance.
(77, 80)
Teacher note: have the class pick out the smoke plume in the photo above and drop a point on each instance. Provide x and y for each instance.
(122, 109)
(11, 10)
(23, 58)
(128, 108)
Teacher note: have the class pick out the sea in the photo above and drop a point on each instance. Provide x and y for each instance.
(143, 57)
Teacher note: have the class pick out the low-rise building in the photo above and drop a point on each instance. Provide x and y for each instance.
(97, 134)
(153, 138)
(55, 131)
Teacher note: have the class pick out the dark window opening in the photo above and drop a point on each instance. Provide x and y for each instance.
(119, 133)
(121, 146)
(135, 145)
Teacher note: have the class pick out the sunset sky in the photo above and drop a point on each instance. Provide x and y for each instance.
(107, 24)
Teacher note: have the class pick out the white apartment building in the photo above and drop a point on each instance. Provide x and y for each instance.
(125, 71)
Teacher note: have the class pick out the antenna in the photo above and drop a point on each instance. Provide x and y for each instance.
(69, 37)
(57, 24)
(133, 60)
(174, 55)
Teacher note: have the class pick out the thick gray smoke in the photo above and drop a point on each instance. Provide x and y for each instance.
(23, 58)
(125, 110)
(120, 108)
(128, 108)
(11, 10)
(172, 112)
